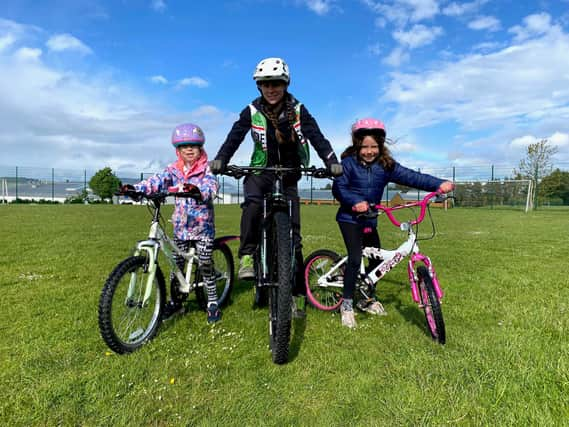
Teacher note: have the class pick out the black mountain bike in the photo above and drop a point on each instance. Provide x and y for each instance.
(275, 257)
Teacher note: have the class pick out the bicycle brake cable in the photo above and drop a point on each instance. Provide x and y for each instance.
(432, 226)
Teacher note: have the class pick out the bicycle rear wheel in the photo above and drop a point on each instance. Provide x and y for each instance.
(431, 305)
(223, 270)
(327, 296)
(279, 259)
(126, 322)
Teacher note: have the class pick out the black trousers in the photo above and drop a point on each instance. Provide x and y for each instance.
(355, 240)
(255, 187)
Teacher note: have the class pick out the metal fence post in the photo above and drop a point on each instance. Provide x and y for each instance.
(16, 183)
(238, 182)
(52, 184)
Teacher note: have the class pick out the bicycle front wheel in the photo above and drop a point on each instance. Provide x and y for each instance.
(223, 271)
(126, 319)
(324, 280)
(280, 294)
(431, 305)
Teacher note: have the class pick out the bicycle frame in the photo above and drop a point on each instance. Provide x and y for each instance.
(391, 258)
(158, 241)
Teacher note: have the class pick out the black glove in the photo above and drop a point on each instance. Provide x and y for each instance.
(336, 169)
(217, 166)
(194, 191)
(126, 188)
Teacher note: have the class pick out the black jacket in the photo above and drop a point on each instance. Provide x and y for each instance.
(285, 154)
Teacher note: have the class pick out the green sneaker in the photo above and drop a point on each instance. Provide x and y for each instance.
(246, 269)
(299, 306)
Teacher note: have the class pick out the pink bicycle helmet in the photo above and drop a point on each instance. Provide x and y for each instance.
(368, 125)
(187, 134)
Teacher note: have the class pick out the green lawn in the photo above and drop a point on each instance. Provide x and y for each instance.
(506, 308)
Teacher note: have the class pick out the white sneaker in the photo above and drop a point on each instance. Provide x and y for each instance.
(348, 318)
(376, 308)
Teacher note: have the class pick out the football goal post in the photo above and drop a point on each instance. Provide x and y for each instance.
(509, 193)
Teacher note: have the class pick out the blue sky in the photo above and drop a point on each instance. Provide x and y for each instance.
(92, 83)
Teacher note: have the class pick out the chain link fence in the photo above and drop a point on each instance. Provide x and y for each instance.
(477, 186)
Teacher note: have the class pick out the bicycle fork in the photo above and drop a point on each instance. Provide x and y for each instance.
(413, 279)
(150, 248)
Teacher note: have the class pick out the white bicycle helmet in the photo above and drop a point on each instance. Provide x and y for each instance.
(272, 69)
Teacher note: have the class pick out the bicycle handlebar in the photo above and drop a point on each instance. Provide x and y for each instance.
(159, 195)
(389, 210)
(239, 171)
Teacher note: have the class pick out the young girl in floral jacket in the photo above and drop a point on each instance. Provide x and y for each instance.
(193, 220)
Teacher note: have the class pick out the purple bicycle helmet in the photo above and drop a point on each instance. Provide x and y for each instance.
(187, 134)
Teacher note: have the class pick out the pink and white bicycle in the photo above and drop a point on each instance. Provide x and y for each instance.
(324, 270)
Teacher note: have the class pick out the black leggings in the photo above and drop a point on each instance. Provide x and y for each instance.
(355, 239)
(255, 187)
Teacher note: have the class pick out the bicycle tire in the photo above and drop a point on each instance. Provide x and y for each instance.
(280, 296)
(431, 305)
(124, 324)
(316, 265)
(224, 269)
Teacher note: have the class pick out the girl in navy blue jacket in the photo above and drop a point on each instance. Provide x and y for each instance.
(367, 169)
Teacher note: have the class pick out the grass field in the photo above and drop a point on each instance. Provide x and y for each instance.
(506, 308)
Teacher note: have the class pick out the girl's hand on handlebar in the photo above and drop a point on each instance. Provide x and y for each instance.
(126, 188)
(446, 187)
(361, 207)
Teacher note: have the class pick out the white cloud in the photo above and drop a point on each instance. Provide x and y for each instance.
(64, 42)
(523, 141)
(28, 54)
(486, 46)
(473, 90)
(320, 7)
(521, 90)
(401, 12)
(417, 36)
(158, 5)
(403, 147)
(459, 9)
(534, 25)
(159, 80)
(6, 41)
(559, 139)
(421, 9)
(69, 120)
(12, 32)
(193, 81)
(397, 57)
(488, 23)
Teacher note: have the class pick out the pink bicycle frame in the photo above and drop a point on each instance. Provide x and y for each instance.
(416, 256)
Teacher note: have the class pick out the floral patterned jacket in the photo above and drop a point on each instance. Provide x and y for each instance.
(192, 220)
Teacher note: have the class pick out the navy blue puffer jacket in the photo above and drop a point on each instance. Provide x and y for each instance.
(362, 182)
